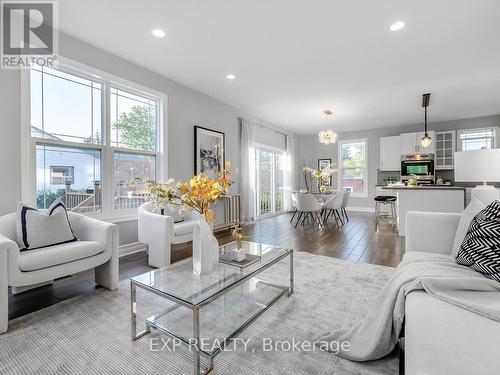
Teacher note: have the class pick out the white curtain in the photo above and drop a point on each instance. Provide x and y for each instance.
(289, 172)
(247, 170)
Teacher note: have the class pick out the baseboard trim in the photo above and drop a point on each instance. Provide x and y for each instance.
(131, 248)
(361, 209)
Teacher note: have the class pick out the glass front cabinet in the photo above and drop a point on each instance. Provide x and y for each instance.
(445, 150)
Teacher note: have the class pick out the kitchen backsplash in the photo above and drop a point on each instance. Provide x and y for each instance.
(383, 175)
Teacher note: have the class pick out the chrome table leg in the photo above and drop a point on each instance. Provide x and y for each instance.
(196, 337)
(133, 315)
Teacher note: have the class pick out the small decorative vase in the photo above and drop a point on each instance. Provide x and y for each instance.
(205, 247)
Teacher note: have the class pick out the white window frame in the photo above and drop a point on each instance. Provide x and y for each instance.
(461, 131)
(274, 151)
(364, 194)
(28, 143)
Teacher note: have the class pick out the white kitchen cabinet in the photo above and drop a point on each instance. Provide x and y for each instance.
(390, 153)
(410, 143)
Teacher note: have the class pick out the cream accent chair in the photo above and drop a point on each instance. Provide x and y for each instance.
(97, 247)
(159, 232)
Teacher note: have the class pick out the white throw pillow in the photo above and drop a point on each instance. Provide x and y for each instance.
(36, 229)
(474, 207)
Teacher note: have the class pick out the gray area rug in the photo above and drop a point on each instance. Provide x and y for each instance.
(90, 334)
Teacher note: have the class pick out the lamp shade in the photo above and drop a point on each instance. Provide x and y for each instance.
(477, 166)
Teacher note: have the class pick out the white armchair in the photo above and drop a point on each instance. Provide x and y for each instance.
(97, 247)
(160, 231)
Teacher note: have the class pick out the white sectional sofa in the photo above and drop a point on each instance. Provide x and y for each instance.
(441, 338)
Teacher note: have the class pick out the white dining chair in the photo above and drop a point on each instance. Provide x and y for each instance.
(308, 207)
(294, 205)
(345, 202)
(333, 207)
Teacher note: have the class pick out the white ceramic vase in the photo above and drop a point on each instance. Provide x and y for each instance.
(213, 246)
(205, 248)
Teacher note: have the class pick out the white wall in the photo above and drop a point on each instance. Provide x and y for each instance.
(186, 108)
(10, 140)
(310, 150)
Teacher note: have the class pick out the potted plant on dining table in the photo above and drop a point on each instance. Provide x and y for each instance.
(322, 176)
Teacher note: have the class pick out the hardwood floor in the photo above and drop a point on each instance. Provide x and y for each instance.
(356, 241)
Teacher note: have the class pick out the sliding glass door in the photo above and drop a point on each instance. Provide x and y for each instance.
(270, 180)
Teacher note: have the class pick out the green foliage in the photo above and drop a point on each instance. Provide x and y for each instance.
(353, 159)
(96, 139)
(137, 128)
(44, 200)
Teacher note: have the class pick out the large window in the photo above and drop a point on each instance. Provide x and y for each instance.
(96, 141)
(353, 167)
(477, 139)
(270, 181)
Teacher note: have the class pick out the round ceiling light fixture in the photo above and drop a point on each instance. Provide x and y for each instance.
(328, 136)
(397, 26)
(159, 33)
(231, 76)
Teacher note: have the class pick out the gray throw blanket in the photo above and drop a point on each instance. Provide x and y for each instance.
(377, 333)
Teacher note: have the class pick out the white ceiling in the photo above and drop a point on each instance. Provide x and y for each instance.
(294, 58)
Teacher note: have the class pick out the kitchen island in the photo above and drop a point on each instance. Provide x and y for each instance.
(433, 198)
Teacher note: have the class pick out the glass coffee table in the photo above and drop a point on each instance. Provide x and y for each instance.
(208, 312)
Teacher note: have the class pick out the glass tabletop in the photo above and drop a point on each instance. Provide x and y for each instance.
(181, 283)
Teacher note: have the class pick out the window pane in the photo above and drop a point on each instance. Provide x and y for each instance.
(353, 163)
(279, 182)
(353, 155)
(133, 120)
(353, 180)
(131, 171)
(265, 178)
(70, 174)
(65, 107)
(477, 139)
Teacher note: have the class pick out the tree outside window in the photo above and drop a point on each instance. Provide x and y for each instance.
(353, 166)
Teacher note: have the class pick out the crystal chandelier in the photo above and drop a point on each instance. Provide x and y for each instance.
(327, 136)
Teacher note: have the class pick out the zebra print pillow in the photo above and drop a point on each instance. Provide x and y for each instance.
(481, 247)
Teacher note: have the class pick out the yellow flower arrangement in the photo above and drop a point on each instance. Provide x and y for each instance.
(197, 194)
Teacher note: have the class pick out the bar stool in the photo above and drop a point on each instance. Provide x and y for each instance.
(385, 200)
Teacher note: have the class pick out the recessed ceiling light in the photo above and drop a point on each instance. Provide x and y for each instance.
(397, 26)
(231, 76)
(159, 33)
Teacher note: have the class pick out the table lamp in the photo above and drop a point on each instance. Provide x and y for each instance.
(479, 166)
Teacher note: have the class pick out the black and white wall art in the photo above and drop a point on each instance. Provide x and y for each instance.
(209, 151)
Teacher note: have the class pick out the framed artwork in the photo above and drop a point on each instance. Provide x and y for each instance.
(322, 164)
(209, 151)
